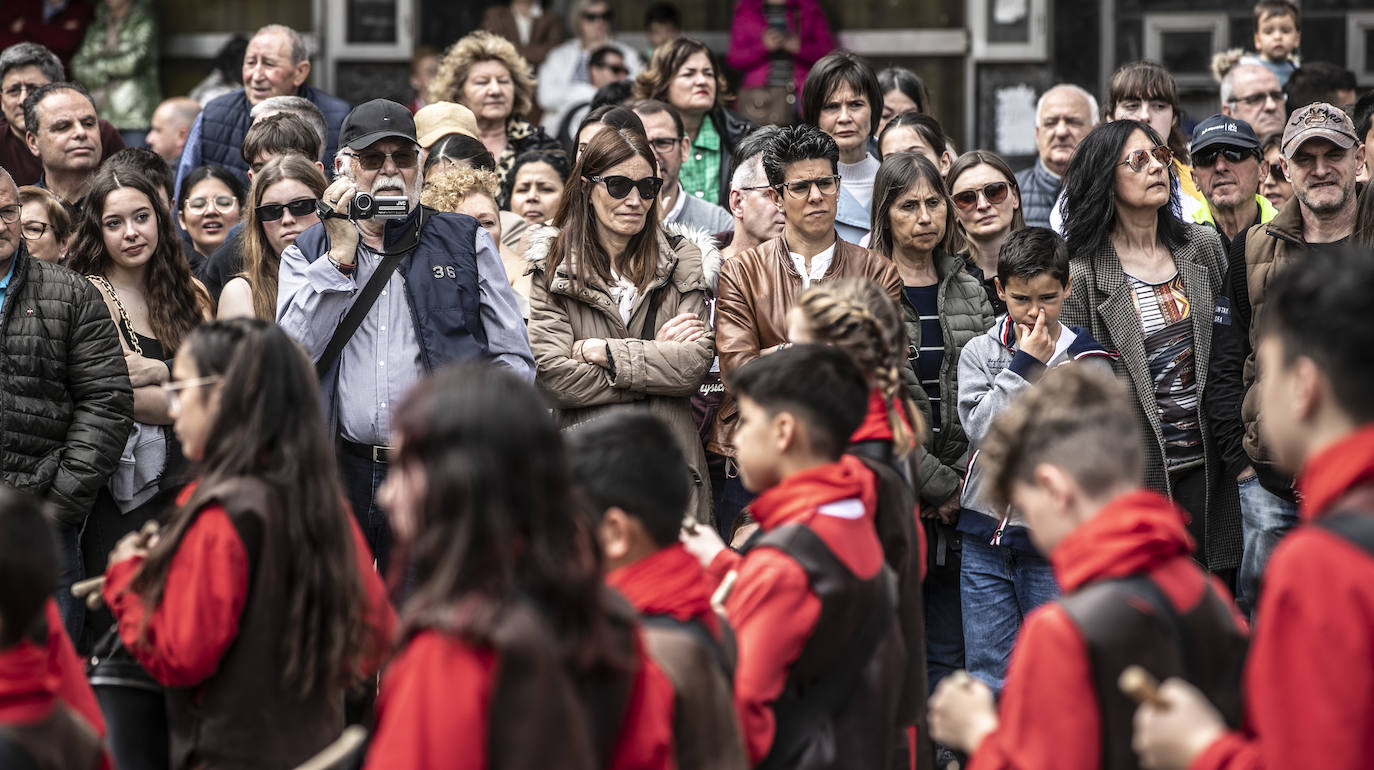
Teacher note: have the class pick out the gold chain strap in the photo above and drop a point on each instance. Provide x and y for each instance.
(123, 314)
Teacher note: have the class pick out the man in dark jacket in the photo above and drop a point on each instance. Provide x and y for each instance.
(275, 64)
(66, 403)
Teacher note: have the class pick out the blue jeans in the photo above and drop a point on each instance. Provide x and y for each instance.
(72, 570)
(998, 587)
(1265, 518)
(944, 622)
(361, 478)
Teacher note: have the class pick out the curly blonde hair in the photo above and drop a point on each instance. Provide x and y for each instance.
(445, 189)
(478, 47)
(857, 316)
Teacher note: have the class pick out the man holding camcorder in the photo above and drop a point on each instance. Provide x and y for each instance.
(383, 291)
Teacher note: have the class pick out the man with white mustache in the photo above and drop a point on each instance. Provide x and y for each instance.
(441, 295)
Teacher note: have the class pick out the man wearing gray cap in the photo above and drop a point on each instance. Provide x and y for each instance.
(1321, 156)
(1228, 167)
(382, 294)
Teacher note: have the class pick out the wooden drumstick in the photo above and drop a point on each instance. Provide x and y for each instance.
(90, 588)
(1140, 686)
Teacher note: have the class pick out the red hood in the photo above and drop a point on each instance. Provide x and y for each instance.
(1133, 533)
(796, 499)
(1335, 470)
(875, 426)
(670, 582)
(27, 688)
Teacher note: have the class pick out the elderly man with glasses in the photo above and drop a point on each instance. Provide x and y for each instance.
(1228, 168)
(379, 298)
(1252, 93)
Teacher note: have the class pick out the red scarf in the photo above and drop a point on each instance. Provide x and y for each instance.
(1335, 470)
(670, 582)
(799, 495)
(27, 688)
(1132, 533)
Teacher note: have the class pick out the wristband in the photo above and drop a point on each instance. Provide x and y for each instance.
(341, 267)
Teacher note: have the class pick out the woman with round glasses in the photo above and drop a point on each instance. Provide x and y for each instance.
(208, 207)
(284, 195)
(1145, 284)
(987, 204)
(616, 309)
(44, 223)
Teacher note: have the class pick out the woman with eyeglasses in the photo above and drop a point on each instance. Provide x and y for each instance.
(987, 204)
(256, 604)
(208, 206)
(1146, 285)
(616, 308)
(284, 196)
(44, 223)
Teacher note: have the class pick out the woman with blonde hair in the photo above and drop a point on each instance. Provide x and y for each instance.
(283, 198)
(485, 73)
(473, 191)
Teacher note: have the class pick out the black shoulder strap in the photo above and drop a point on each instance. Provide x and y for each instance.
(651, 320)
(368, 297)
(1355, 527)
(698, 632)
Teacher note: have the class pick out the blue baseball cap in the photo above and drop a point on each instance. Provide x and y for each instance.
(1223, 130)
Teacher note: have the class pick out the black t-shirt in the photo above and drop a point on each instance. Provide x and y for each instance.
(225, 263)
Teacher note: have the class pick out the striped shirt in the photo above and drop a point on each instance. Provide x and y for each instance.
(1166, 323)
(931, 355)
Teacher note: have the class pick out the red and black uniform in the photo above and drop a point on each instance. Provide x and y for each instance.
(46, 707)
(214, 638)
(775, 609)
(694, 648)
(1309, 685)
(1049, 713)
(511, 701)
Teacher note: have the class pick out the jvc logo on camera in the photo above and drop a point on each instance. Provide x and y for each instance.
(444, 271)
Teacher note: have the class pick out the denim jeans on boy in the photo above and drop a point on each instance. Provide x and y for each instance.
(940, 591)
(998, 587)
(1265, 518)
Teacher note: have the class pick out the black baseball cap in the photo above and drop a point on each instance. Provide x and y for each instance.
(1223, 130)
(371, 122)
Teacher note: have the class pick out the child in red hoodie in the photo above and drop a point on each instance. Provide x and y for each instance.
(1309, 680)
(40, 724)
(640, 514)
(1066, 453)
(811, 599)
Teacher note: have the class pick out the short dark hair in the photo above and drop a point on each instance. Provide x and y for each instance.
(754, 143)
(1031, 251)
(613, 94)
(819, 384)
(280, 134)
(654, 107)
(462, 149)
(663, 13)
(631, 461)
(28, 566)
(556, 159)
(146, 162)
(1317, 81)
(841, 68)
(1326, 320)
(1364, 116)
(611, 116)
(794, 144)
(39, 94)
(906, 81)
(929, 129)
(32, 55)
(599, 54)
(1266, 8)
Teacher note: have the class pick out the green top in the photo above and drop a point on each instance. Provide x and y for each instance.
(122, 79)
(700, 175)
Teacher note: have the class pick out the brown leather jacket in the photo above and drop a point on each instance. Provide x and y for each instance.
(757, 288)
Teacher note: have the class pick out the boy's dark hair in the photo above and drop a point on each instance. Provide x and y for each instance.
(613, 94)
(655, 107)
(1364, 115)
(1077, 418)
(839, 68)
(146, 162)
(280, 134)
(28, 565)
(1266, 8)
(663, 13)
(599, 54)
(1317, 81)
(819, 384)
(1319, 309)
(794, 144)
(1030, 251)
(630, 460)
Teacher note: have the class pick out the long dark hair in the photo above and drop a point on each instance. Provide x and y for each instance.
(176, 302)
(499, 520)
(908, 82)
(269, 427)
(260, 262)
(1090, 189)
(897, 174)
(576, 218)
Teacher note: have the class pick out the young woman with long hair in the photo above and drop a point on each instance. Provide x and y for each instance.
(514, 653)
(616, 309)
(987, 205)
(283, 199)
(257, 604)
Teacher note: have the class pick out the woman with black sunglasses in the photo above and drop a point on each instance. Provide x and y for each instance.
(284, 195)
(987, 205)
(1146, 285)
(616, 309)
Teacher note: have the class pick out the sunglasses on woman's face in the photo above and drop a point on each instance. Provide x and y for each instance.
(1276, 172)
(620, 186)
(995, 193)
(1139, 159)
(271, 212)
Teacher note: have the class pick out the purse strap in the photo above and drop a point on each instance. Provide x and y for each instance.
(103, 283)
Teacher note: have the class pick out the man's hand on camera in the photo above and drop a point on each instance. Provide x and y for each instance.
(343, 234)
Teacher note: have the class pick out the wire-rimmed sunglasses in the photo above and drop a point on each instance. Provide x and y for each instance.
(1138, 159)
(996, 192)
(371, 160)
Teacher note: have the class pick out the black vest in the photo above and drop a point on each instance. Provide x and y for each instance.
(59, 741)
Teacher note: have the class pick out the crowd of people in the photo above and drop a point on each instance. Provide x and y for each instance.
(583, 414)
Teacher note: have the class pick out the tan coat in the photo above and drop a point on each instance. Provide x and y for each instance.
(658, 376)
